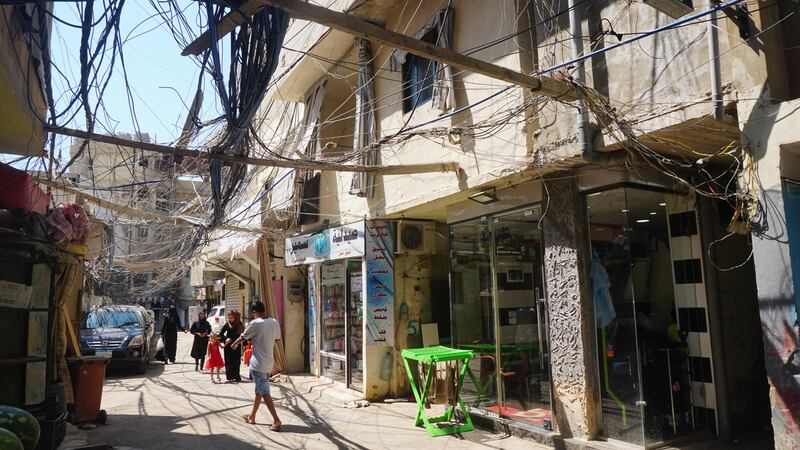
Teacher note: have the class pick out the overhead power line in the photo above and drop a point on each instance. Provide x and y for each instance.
(405, 169)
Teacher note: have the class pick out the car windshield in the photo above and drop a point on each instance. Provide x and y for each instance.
(112, 318)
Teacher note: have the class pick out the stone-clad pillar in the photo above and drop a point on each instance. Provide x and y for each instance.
(572, 358)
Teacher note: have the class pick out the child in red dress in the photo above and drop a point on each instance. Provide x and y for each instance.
(214, 360)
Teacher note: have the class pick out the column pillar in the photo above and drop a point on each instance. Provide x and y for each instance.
(572, 357)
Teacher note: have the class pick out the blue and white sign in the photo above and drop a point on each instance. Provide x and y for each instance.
(345, 241)
(380, 283)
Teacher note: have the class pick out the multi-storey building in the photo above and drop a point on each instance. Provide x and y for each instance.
(621, 266)
(141, 246)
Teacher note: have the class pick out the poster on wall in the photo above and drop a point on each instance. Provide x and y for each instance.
(380, 282)
(344, 241)
(312, 319)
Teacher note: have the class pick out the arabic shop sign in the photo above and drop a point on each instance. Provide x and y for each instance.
(345, 241)
(380, 283)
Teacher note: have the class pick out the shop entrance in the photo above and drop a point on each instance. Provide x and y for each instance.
(499, 311)
(341, 322)
(650, 315)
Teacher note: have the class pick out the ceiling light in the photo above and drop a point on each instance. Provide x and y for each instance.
(662, 204)
(643, 221)
(596, 193)
(484, 197)
(653, 213)
(624, 210)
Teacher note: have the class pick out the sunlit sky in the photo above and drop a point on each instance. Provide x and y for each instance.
(162, 82)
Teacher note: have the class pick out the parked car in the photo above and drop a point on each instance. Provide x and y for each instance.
(216, 318)
(123, 333)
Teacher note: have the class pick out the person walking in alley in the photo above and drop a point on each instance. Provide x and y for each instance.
(262, 332)
(200, 329)
(169, 333)
(229, 333)
(214, 358)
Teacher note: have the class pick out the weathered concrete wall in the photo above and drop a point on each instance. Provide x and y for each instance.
(571, 322)
(768, 128)
(765, 129)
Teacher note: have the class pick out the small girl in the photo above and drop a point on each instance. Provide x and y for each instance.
(214, 358)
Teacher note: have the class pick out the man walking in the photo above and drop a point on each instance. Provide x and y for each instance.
(262, 332)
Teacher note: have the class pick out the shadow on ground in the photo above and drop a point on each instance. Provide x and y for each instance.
(162, 432)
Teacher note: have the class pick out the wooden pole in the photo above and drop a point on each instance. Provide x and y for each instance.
(140, 214)
(405, 169)
(358, 27)
(268, 298)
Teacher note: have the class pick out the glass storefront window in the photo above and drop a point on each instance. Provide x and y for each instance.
(499, 312)
(332, 315)
(642, 359)
(473, 308)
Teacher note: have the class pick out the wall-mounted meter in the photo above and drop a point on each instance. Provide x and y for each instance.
(672, 8)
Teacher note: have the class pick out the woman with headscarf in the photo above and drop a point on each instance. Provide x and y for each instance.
(200, 329)
(231, 331)
(169, 333)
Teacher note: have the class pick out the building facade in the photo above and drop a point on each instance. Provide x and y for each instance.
(622, 268)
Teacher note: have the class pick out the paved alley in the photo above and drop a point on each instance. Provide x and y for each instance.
(173, 407)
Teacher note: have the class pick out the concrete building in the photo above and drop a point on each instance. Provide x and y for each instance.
(147, 182)
(629, 280)
(23, 34)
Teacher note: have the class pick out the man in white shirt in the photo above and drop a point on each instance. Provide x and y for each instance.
(262, 332)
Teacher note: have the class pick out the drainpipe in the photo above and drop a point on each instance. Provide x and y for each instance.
(713, 53)
(585, 140)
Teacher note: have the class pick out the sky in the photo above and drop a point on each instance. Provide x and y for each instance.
(162, 81)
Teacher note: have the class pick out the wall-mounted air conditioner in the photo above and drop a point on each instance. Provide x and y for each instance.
(672, 8)
(416, 237)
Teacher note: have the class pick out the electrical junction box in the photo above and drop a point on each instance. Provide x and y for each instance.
(672, 8)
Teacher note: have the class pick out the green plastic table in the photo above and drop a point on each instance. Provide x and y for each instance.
(490, 349)
(432, 355)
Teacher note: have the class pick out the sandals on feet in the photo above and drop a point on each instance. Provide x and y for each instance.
(274, 427)
(247, 419)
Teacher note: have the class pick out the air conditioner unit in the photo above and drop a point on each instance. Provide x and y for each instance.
(416, 237)
(672, 8)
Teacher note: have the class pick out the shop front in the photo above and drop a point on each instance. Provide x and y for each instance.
(654, 350)
(594, 308)
(499, 312)
(344, 264)
(499, 305)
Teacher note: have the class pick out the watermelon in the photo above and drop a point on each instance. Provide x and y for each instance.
(22, 424)
(9, 440)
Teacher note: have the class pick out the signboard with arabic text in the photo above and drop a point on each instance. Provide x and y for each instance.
(344, 241)
(380, 283)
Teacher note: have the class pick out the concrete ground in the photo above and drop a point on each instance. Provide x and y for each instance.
(173, 407)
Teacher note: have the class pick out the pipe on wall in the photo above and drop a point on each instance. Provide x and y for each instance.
(584, 138)
(713, 54)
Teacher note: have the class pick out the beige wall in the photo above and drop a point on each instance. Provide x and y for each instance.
(655, 82)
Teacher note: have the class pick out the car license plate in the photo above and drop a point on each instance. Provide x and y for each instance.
(103, 354)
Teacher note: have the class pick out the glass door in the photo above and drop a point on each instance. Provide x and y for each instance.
(499, 312)
(523, 366)
(355, 315)
(333, 277)
(642, 354)
(473, 310)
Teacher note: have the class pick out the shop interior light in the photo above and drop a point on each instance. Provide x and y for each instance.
(662, 204)
(653, 213)
(643, 221)
(484, 197)
(624, 210)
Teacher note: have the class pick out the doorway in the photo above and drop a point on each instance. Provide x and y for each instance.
(499, 312)
(647, 277)
(341, 356)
